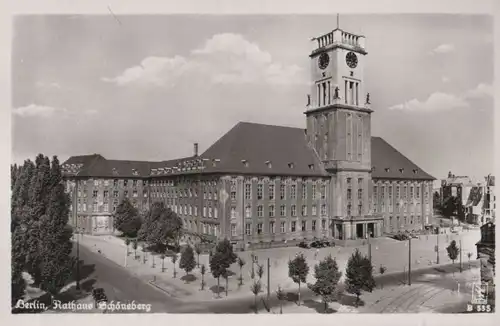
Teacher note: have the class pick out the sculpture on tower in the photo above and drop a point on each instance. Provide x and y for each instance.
(367, 98)
(336, 95)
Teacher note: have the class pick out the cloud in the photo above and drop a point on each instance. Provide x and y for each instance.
(34, 110)
(159, 71)
(223, 59)
(442, 101)
(445, 79)
(48, 85)
(436, 101)
(481, 91)
(443, 48)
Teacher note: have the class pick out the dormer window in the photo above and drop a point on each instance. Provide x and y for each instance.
(415, 171)
(373, 169)
(215, 161)
(269, 165)
(290, 165)
(245, 163)
(311, 166)
(401, 170)
(114, 171)
(387, 169)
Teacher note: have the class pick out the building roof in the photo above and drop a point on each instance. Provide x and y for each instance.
(257, 149)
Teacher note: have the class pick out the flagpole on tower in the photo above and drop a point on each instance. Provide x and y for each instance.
(338, 20)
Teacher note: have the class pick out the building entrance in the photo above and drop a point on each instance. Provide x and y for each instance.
(359, 231)
(371, 230)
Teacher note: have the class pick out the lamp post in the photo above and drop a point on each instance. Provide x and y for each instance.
(75, 216)
(409, 261)
(368, 235)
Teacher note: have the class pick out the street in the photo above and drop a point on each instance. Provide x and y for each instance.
(120, 285)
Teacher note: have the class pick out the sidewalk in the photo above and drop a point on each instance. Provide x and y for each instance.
(391, 253)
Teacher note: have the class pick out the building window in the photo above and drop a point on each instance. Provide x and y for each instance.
(134, 183)
(233, 212)
(282, 227)
(259, 228)
(323, 191)
(282, 210)
(259, 191)
(360, 194)
(196, 210)
(349, 194)
(106, 206)
(304, 210)
(248, 229)
(271, 191)
(271, 227)
(204, 211)
(303, 225)
(313, 210)
(271, 210)
(304, 190)
(248, 210)
(360, 210)
(349, 181)
(313, 226)
(282, 191)
(293, 191)
(233, 230)
(94, 194)
(233, 195)
(323, 210)
(397, 193)
(323, 225)
(348, 209)
(209, 211)
(125, 193)
(418, 192)
(115, 205)
(260, 211)
(105, 194)
(313, 191)
(248, 194)
(411, 192)
(293, 226)
(115, 183)
(294, 210)
(190, 210)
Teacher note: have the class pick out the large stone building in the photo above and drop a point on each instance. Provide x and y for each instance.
(263, 184)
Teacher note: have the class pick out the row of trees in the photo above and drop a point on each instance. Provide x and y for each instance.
(41, 236)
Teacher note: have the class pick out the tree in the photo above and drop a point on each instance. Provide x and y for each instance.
(436, 200)
(469, 255)
(298, 270)
(256, 287)
(20, 192)
(221, 260)
(126, 219)
(162, 257)
(187, 262)
(203, 271)
(359, 275)
(134, 246)
(241, 263)
(382, 270)
(260, 271)
(327, 277)
(17, 265)
(197, 249)
(280, 295)
(174, 260)
(56, 263)
(127, 243)
(161, 226)
(449, 207)
(453, 250)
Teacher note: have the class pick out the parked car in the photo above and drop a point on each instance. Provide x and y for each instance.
(316, 244)
(99, 295)
(302, 244)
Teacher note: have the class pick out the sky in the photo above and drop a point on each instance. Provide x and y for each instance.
(148, 87)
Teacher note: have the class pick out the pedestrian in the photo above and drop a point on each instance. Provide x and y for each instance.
(316, 254)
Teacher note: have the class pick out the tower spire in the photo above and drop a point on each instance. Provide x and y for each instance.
(338, 19)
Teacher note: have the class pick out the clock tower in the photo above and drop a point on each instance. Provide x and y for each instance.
(338, 125)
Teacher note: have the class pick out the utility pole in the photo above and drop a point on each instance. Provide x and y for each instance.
(268, 279)
(437, 248)
(75, 212)
(460, 255)
(409, 261)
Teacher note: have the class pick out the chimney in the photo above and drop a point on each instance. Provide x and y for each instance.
(195, 149)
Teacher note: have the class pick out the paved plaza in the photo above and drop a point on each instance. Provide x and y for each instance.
(388, 252)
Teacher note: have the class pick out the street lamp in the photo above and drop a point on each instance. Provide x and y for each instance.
(368, 235)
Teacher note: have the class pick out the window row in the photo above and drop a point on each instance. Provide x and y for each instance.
(282, 211)
(284, 227)
(284, 190)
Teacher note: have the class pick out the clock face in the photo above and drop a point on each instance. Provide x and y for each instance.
(323, 61)
(351, 59)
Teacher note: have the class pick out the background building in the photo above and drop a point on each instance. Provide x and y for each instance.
(267, 185)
